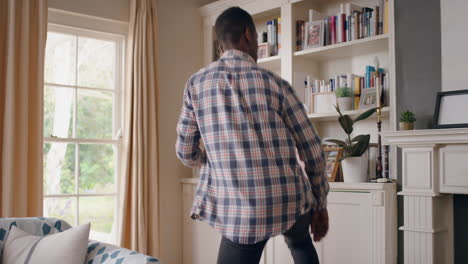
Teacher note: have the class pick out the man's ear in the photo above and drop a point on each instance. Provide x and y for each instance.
(249, 34)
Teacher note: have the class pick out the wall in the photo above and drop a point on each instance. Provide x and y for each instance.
(112, 9)
(418, 68)
(418, 57)
(180, 55)
(454, 56)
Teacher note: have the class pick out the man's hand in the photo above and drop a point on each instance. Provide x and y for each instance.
(319, 224)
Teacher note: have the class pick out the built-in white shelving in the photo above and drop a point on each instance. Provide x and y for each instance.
(272, 63)
(353, 114)
(322, 63)
(346, 49)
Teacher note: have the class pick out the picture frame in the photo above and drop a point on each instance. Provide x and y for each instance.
(451, 109)
(313, 35)
(263, 50)
(332, 157)
(368, 98)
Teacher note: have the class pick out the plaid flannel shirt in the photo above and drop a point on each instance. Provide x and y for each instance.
(252, 126)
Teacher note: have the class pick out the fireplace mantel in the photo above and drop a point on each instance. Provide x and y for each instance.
(434, 166)
(427, 136)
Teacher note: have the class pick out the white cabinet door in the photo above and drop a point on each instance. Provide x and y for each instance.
(348, 240)
(200, 241)
(362, 230)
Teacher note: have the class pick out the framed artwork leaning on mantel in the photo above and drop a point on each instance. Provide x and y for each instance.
(451, 109)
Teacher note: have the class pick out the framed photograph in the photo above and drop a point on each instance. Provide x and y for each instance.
(451, 109)
(263, 50)
(332, 156)
(368, 98)
(313, 34)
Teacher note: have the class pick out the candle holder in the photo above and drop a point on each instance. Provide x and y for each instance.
(379, 167)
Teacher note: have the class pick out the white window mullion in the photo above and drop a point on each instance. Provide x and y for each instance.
(77, 146)
(80, 140)
(79, 87)
(80, 195)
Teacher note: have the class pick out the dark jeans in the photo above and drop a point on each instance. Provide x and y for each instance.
(297, 238)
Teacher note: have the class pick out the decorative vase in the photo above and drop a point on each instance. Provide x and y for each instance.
(406, 125)
(345, 103)
(355, 169)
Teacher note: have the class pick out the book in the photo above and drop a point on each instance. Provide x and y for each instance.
(385, 21)
(300, 26)
(381, 15)
(278, 37)
(326, 32)
(369, 73)
(333, 29)
(275, 37)
(376, 20)
(270, 32)
(341, 25)
(357, 91)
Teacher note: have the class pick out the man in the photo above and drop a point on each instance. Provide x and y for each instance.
(252, 126)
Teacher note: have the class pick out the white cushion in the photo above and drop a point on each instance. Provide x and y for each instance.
(66, 247)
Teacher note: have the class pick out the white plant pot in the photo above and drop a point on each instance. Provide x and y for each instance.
(345, 103)
(355, 169)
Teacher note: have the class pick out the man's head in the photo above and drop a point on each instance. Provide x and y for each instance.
(235, 29)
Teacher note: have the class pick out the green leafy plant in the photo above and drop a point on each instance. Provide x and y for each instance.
(357, 146)
(344, 92)
(407, 117)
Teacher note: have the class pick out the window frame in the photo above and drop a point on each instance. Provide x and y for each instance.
(118, 110)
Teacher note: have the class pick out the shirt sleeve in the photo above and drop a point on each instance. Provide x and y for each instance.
(308, 144)
(188, 135)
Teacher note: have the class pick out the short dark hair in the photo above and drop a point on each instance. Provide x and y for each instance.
(231, 24)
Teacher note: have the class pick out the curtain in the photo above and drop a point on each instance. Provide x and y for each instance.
(23, 32)
(139, 218)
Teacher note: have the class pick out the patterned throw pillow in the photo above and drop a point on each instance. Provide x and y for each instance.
(66, 247)
(38, 226)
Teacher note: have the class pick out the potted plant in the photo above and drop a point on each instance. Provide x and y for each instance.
(345, 98)
(407, 120)
(353, 161)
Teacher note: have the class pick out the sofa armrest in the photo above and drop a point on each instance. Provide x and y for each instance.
(99, 252)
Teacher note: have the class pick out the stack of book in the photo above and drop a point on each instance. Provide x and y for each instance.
(273, 36)
(355, 82)
(351, 23)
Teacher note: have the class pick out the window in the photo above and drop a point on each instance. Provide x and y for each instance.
(82, 124)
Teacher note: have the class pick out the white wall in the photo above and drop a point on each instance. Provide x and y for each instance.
(454, 22)
(180, 55)
(112, 9)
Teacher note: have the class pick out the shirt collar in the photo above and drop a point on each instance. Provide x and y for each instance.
(237, 55)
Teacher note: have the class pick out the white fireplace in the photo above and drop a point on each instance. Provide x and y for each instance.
(434, 166)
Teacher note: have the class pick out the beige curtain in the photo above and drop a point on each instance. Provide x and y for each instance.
(23, 32)
(140, 220)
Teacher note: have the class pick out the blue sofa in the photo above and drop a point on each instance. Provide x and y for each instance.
(97, 252)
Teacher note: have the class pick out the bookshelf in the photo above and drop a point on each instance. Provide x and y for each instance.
(320, 117)
(352, 48)
(320, 63)
(272, 63)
